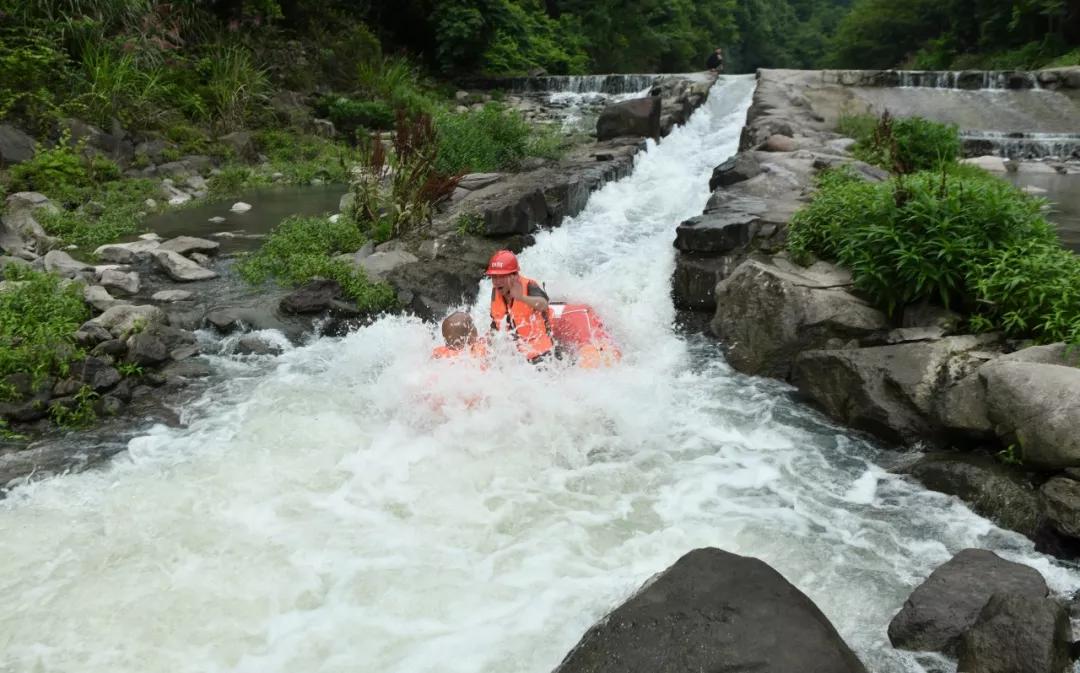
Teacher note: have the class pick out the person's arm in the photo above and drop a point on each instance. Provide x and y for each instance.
(536, 298)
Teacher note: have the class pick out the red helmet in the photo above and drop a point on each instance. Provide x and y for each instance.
(503, 263)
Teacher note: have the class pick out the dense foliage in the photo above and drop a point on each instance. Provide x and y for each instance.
(957, 236)
(904, 145)
(958, 34)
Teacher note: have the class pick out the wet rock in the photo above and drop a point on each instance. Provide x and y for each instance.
(948, 603)
(962, 409)
(225, 320)
(240, 207)
(113, 348)
(1061, 498)
(67, 387)
(379, 265)
(121, 320)
(201, 259)
(713, 611)
(314, 297)
(217, 219)
(1017, 633)
(637, 117)
(95, 372)
(1036, 406)
(26, 411)
(146, 349)
(767, 312)
(15, 146)
(124, 283)
(738, 168)
(516, 213)
(253, 344)
(90, 334)
(126, 253)
(715, 233)
(474, 181)
(108, 405)
(185, 245)
(183, 352)
(779, 143)
(98, 297)
(191, 368)
(174, 196)
(169, 296)
(180, 268)
(890, 391)
(170, 335)
(693, 284)
(62, 264)
(122, 391)
(991, 489)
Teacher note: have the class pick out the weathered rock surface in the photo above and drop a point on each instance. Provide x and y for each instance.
(767, 312)
(121, 320)
(186, 245)
(126, 253)
(63, 264)
(98, 297)
(714, 611)
(890, 391)
(636, 117)
(1061, 499)
(146, 349)
(314, 297)
(181, 268)
(738, 168)
(948, 603)
(169, 296)
(20, 233)
(124, 283)
(715, 233)
(991, 489)
(1018, 633)
(96, 373)
(1037, 406)
(779, 143)
(15, 146)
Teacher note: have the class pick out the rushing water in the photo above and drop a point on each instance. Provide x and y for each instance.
(353, 506)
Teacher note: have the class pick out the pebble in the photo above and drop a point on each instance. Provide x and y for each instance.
(217, 219)
(150, 237)
(240, 207)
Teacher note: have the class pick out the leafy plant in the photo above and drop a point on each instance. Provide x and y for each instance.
(302, 248)
(349, 115)
(470, 224)
(1011, 455)
(233, 85)
(119, 87)
(79, 413)
(129, 369)
(62, 172)
(489, 139)
(905, 145)
(124, 204)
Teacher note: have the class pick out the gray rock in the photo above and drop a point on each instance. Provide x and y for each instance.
(715, 233)
(516, 214)
(15, 146)
(779, 143)
(738, 168)
(98, 297)
(186, 245)
(714, 611)
(1050, 354)
(240, 207)
(217, 219)
(183, 353)
(841, 145)
(121, 320)
(5, 260)
(693, 284)
(767, 312)
(191, 368)
(1061, 498)
(62, 264)
(948, 603)
(201, 259)
(225, 320)
(96, 373)
(180, 268)
(108, 405)
(636, 117)
(379, 264)
(146, 349)
(890, 391)
(174, 196)
(90, 335)
(241, 144)
(113, 348)
(169, 296)
(253, 344)
(991, 489)
(474, 181)
(126, 253)
(124, 283)
(1017, 633)
(1037, 407)
(962, 409)
(314, 297)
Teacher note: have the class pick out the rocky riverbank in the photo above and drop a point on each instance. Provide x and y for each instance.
(916, 380)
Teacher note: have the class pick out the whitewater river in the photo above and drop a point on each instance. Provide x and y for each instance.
(350, 506)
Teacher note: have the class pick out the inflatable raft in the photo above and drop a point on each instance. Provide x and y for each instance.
(580, 334)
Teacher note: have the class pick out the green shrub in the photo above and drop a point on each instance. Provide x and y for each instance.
(302, 248)
(62, 172)
(117, 86)
(489, 139)
(37, 319)
(904, 145)
(349, 115)
(33, 72)
(124, 202)
(234, 85)
(922, 236)
(397, 82)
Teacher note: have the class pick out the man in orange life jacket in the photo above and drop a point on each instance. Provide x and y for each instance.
(520, 306)
(461, 338)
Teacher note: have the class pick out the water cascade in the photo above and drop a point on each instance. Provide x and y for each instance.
(1021, 145)
(352, 505)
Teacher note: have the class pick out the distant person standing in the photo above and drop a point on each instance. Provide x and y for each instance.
(715, 62)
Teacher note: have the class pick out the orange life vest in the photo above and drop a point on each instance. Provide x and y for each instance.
(531, 329)
(476, 350)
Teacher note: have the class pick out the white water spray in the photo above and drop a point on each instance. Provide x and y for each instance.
(357, 507)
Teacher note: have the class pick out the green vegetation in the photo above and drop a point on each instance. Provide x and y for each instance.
(905, 145)
(79, 413)
(38, 315)
(302, 248)
(123, 204)
(958, 236)
(480, 141)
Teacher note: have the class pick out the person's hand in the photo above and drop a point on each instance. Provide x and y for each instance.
(516, 293)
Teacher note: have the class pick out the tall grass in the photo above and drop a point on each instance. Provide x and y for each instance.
(234, 84)
(118, 87)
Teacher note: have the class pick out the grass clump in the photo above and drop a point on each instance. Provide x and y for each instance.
(350, 115)
(38, 314)
(960, 237)
(489, 139)
(124, 205)
(905, 145)
(302, 248)
(63, 171)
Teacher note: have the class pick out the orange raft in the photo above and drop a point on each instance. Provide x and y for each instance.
(580, 333)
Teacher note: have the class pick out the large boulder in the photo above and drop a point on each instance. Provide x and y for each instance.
(20, 232)
(63, 264)
(738, 168)
(181, 268)
(990, 488)
(127, 253)
(636, 117)
(123, 319)
(15, 146)
(1037, 407)
(1017, 633)
(768, 312)
(714, 611)
(948, 603)
(125, 283)
(1061, 500)
(185, 245)
(98, 297)
(890, 391)
(315, 296)
(715, 233)
(517, 213)
(693, 283)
